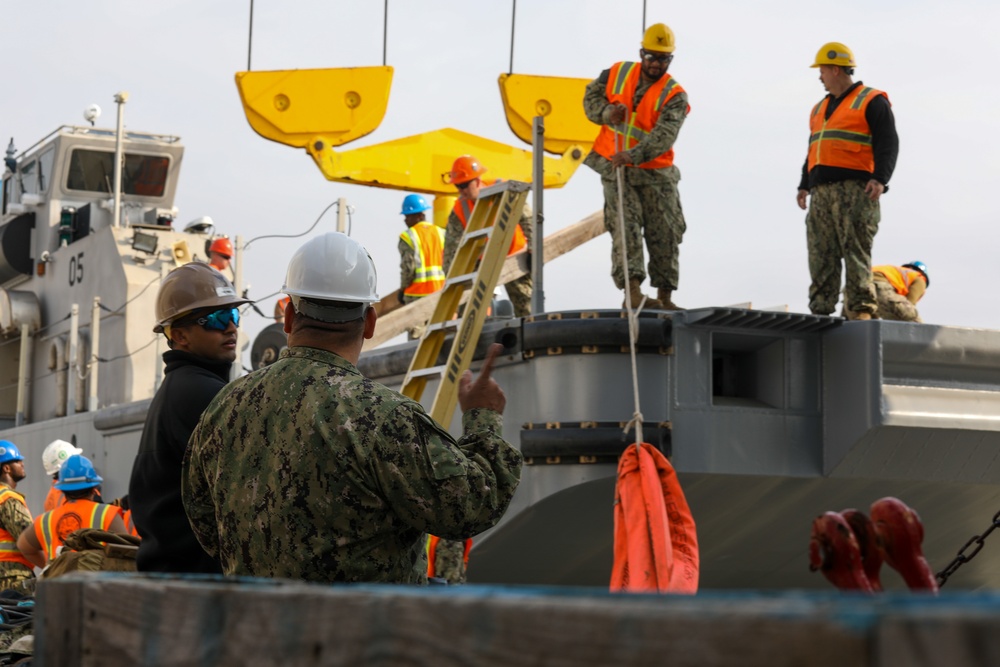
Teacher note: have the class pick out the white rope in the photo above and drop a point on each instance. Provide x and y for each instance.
(633, 317)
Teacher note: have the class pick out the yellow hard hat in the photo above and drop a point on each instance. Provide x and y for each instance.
(834, 53)
(658, 38)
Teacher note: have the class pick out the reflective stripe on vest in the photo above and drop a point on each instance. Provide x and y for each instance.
(87, 513)
(623, 79)
(844, 140)
(899, 277)
(9, 553)
(463, 210)
(427, 241)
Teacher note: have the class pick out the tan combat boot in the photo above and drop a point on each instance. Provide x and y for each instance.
(635, 290)
(862, 316)
(664, 296)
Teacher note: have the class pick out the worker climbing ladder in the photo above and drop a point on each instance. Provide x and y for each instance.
(477, 265)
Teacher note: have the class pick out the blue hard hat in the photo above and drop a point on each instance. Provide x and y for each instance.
(414, 204)
(78, 473)
(9, 452)
(921, 267)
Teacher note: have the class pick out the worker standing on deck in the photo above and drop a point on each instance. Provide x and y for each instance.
(196, 310)
(897, 291)
(220, 255)
(421, 252)
(641, 108)
(466, 175)
(15, 518)
(78, 479)
(852, 153)
(342, 477)
(54, 455)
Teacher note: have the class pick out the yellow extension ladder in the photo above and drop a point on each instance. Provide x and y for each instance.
(491, 225)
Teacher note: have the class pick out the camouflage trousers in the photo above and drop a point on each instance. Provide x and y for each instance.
(891, 304)
(841, 226)
(653, 212)
(519, 292)
(449, 561)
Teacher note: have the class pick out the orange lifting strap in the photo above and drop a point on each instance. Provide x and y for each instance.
(656, 545)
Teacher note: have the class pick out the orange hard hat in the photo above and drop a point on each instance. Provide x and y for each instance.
(465, 169)
(222, 246)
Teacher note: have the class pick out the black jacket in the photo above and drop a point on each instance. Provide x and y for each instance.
(168, 544)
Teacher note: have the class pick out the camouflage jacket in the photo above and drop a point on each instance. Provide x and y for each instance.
(14, 518)
(660, 139)
(306, 469)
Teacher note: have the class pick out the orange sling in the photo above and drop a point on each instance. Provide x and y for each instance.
(656, 544)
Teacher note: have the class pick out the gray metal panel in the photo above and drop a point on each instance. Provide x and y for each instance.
(851, 383)
(924, 354)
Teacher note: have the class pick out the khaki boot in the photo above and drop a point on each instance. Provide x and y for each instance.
(635, 290)
(664, 296)
(862, 316)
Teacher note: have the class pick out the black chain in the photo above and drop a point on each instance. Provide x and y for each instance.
(961, 558)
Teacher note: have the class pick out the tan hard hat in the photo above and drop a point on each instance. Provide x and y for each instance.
(192, 287)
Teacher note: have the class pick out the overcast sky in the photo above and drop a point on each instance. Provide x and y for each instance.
(745, 66)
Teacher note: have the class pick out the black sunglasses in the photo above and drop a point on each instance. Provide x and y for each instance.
(462, 186)
(658, 57)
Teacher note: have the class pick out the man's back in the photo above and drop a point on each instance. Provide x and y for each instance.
(308, 470)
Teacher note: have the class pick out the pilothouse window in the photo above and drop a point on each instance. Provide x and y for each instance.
(92, 171)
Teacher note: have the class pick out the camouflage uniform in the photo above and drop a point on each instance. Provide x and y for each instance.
(652, 205)
(841, 224)
(449, 561)
(407, 269)
(891, 304)
(518, 290)
(14, 518)
(307, 470)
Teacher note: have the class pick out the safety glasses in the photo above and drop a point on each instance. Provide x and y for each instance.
(655, 57)
(462, 186)
(219, 320)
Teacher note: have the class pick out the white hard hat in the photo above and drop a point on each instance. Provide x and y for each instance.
(331, 267)
(56, 454)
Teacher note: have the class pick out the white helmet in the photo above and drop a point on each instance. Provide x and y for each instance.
(56, 454)
(331, 267)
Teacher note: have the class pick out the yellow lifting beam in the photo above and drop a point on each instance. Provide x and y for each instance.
(303, 107)
(422, 162)
(476, 267)
(559, 100)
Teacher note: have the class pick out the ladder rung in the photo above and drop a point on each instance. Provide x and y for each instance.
(425, 372)
(458, 280)
(485, 231)
(447, 325)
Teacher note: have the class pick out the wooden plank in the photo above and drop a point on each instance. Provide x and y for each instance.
(394, 320)
(146, 620)
(61, 625)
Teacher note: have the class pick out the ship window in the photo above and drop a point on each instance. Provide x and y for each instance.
(92, 171)
(6, 195)
(27, 176)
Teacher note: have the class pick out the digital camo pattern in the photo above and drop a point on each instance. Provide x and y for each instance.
(651, 202)
(891, 304)
(840, 227)
(14, 518)
(407, 268)
(449, 561)
(306, 469)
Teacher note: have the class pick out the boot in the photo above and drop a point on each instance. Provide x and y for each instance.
(862, 316)
(635, 290)
(664, 296)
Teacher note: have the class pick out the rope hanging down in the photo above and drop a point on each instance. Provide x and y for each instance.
(633, 323)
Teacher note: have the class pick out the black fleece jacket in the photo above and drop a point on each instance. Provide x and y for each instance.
(168, 544)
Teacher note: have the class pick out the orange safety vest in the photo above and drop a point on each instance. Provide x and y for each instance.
(432, 542)
(899, 277)
(52, 527)
(427, 241)
(9, 553)
(54, 498)
(463, 209)
(129, 525)
(622, 82)
(844, 140)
